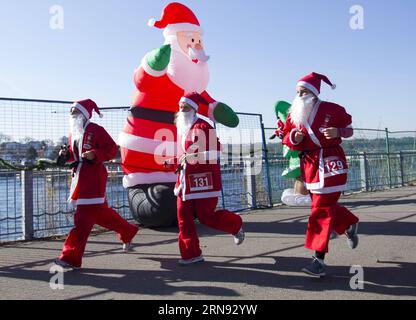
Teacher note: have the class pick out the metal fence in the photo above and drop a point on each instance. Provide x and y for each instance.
(33, 204)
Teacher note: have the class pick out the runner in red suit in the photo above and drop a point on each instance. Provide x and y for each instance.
(199, 181)
(89, 147)
(315, 128)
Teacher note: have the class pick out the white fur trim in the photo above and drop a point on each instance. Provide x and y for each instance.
(320, 184)
(173, 29)
(84, 202)
(82, 109)
(190, 102)
(145, 145)
(150, 71)
(203, 195)
(312, 135)
(335, 173)
(135, 179)
(211, 109)
(313, 186)
(290, 137)
(330, 189)
(151, 22)
(308, 86)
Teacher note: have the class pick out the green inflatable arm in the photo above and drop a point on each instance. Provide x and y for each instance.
(226, 116)
(281, 110)
(159, 59)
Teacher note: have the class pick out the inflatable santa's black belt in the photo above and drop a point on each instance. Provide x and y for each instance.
(153, 115)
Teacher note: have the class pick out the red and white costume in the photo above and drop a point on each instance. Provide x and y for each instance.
(154, 106)
(89, 187)
(198, 187)
(90, 179)
(200, 180)
(323, 165)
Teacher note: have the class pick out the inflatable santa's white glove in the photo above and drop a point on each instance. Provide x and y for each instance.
(159, 59)
(226, 116)
(292, 199)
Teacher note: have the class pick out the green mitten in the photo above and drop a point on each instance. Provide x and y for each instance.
(225, 115)
(159, 59)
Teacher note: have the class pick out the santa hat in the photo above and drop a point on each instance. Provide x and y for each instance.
(86, 107)
(194, 100)
(176, 18)
(312, 82)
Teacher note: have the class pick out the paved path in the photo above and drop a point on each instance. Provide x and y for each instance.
(267, 266)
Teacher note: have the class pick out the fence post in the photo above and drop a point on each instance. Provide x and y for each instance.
(251, 179)
(266, 162)
(364, 171)
(27, 205)
(227, 164)
(388, 158)
(402, 168)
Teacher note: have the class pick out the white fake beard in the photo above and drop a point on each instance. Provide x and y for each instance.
(184, 121)
(301, 109)
(186, 74)
(76, 125)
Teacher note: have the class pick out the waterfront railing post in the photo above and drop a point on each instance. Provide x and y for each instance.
(402, 168)
(27, 205)
(251, 179)
(364, 171)
(266, 162)
(388, 158)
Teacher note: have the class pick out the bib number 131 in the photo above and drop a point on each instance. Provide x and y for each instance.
(200, 182)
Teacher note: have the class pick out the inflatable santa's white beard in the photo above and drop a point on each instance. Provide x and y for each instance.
(186, 74)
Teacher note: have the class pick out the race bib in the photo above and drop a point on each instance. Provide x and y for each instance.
(334, 166)
(200, 182)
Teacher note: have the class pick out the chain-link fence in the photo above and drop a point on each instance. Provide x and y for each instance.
(33, 204)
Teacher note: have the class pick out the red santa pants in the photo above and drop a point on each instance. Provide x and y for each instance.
(327, 215)
(85, 218)
(221, 220)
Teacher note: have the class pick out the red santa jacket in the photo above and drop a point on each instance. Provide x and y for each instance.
(90, 177)
(151, 124)
(200, 178)
(323, 162)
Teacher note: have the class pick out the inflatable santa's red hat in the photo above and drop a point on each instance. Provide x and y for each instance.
(176, 18)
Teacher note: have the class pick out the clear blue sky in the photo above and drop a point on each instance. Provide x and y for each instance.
(259, 49)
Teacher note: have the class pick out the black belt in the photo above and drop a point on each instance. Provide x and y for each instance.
(153, 115)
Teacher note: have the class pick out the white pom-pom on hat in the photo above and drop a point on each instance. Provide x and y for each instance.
(334, 86)
(151, 22)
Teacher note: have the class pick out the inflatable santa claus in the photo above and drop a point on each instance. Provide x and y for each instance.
(177, 68)
(298, 195)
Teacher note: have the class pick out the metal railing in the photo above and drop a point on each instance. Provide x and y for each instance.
(33, 204)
